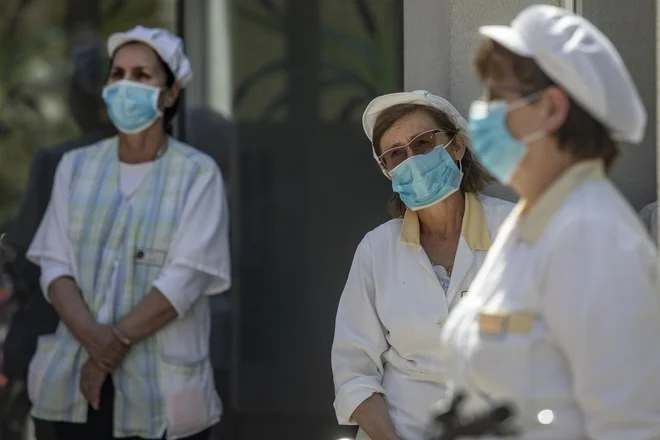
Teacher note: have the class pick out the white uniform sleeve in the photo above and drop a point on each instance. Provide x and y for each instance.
(182, 286)
(198, 261)
(649, 216)
(602, 305)
(50, 248)
(50, 271)
(359, 340)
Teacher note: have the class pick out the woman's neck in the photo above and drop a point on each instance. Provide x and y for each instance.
(445, 219)
(535, 182)
(142, 147)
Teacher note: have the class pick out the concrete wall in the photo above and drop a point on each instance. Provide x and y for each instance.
(440, 38)
(632, 30)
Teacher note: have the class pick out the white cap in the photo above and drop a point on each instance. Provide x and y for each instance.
(168, 46)
(421, 97)
(582, 60)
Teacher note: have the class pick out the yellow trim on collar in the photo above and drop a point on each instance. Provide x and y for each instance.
(474, 229)
(410, 228)
(534, 222)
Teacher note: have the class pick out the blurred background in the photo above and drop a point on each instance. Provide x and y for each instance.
(277, 99)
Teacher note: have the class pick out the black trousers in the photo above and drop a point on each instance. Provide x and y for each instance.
(99, 423)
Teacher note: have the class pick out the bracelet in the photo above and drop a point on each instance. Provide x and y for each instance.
(122, 338)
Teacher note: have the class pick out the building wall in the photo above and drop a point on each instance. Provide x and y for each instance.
(440, 39)
(632, 30)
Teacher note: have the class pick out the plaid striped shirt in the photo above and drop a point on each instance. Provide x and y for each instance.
(106, 231)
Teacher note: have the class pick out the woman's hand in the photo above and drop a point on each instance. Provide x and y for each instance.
(105, 349)
(91, 383)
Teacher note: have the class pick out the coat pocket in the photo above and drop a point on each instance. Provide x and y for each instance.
(191, 402)
(185, 341)
(505, 342)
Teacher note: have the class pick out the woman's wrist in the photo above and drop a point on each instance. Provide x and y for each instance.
(121, 336)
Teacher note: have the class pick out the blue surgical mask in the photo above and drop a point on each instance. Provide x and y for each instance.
(492, 142)
(132, 107)
(426, 179)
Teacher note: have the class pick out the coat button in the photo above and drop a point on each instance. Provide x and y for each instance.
(441, 321)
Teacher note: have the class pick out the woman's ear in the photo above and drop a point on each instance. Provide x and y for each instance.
(170, 95)
(457, 148)
(557, 104)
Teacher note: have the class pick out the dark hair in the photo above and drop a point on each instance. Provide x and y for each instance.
(475, 177)
(169, 112)
(581, 133)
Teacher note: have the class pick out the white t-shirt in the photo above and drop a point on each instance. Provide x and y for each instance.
(443, 276)
(130, 177)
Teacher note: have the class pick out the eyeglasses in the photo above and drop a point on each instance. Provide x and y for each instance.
(421, 144)
(532, 94)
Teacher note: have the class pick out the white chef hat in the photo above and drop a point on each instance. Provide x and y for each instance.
(421, 97)
(168, 46)
(582, 60)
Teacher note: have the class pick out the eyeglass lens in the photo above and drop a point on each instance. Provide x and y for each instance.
(421, 144)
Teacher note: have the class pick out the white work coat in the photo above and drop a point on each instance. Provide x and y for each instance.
(563, 320)
(649, 215)
(389, 320)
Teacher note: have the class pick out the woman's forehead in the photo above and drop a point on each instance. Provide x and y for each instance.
(136, 55)
(414, 122)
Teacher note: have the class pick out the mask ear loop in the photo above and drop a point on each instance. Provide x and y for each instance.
(460, 162)
(533, 137)
(387, 173)
(522, 102)
(448, 143)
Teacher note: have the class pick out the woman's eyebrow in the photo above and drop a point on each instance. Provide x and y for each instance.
(410, 138)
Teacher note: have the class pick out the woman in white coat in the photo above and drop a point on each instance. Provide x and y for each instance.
(408, 273)
(562, 321)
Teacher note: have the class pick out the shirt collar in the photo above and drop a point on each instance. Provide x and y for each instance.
(532, 224)
(474, 229)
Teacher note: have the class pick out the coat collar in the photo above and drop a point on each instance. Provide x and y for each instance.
(533, 223)
(474, 228)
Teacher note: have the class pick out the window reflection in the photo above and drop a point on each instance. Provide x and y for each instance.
(52, 65)
(360, 55)
(259, 58)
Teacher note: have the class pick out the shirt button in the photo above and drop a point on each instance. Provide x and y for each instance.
(441, 321)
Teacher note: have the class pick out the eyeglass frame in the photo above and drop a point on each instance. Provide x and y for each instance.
(406, 146)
